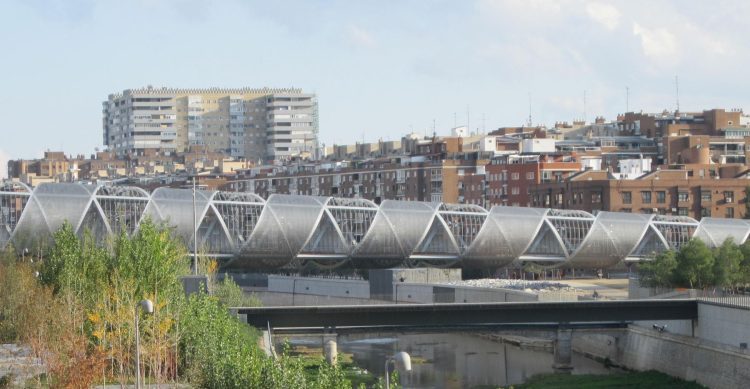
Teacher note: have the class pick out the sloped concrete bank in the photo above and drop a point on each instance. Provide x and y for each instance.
(640, 348)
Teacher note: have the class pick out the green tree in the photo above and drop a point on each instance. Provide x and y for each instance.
(747, 202)
(744, 273)
(695, 264)
(232, 295)
(727, 260)
(659, 272)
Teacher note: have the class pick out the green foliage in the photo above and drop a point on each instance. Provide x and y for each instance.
(231, 295)
(727, 260)
(744, 273)
(747, 203)
(79, 316)
(659, 272)
(695, 264)
(218, 351)
(221, 352)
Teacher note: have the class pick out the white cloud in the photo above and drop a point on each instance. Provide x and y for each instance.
(605, 14)
(361, 37)
(658, 43)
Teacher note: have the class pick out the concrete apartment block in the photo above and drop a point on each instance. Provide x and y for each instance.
(255, 124)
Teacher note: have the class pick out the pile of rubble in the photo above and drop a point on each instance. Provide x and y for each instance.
(520, 285)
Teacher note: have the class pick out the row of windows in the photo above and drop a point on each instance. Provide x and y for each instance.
(513, 176)
(661, 197)
(681, 211)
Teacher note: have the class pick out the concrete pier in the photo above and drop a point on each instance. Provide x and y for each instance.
(563, 350)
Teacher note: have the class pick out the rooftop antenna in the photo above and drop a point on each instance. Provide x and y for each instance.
(627, 99)
(529, 122)
(677, 91)
(433, 127)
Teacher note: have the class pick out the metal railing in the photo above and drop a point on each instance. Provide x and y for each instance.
(727, 299)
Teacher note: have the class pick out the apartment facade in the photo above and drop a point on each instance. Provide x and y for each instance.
(511, 178)
(255, 124)
(664, 192)
(450, 181)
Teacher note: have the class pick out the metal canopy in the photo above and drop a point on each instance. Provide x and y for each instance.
(288, 231)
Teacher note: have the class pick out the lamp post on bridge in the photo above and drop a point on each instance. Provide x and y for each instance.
(148, 307)
(401, 361)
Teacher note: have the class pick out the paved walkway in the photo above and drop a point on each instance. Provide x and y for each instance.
(613, 289)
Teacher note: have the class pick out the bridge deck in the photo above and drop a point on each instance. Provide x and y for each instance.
(471, 314)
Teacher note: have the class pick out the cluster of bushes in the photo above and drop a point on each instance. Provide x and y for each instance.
(75, 308)
(697, 266)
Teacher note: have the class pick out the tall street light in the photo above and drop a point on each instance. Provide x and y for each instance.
(401, 360)
(148, 307)
(195, 234)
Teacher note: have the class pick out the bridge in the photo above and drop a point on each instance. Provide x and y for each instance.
(383, 317)
(557, 318)
(246, 231)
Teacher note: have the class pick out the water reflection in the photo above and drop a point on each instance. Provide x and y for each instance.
(454, 360)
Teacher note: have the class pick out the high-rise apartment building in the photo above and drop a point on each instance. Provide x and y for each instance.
(256, 124)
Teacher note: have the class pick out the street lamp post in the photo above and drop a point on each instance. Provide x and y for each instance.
(401, 360)
(148, 307)
(195, 235)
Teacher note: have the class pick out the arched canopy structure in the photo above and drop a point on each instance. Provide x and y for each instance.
(286, 231)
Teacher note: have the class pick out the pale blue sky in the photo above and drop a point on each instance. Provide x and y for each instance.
(380, 68)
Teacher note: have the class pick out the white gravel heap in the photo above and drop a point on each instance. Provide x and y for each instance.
(521, 285)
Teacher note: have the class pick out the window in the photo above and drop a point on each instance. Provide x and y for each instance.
(514, 176)
(626, 210)
(530, 175)
(729, 213)
(596, 197)
(627, 198)
(682, 211)
(728, 196)
(705, 195)
(661, 197)
(705, 212)
(514, 190)
(683, 197)
(646, 197)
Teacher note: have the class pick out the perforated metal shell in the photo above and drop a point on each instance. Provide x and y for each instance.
(292, 231)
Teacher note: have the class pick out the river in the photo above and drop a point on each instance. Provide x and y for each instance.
(453, 360)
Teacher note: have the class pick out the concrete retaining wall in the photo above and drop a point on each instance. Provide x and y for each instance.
(711, 351)
(725, 325)
(383, 281)
(319, 286)
(429, 293)
(403, 291)
(275, 299)
(709, 363)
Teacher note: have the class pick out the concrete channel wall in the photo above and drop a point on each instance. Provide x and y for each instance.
(712, 351)
(319, 286)
(429, 293)
(306, 291)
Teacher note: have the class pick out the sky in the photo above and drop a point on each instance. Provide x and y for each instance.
(381, 69)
